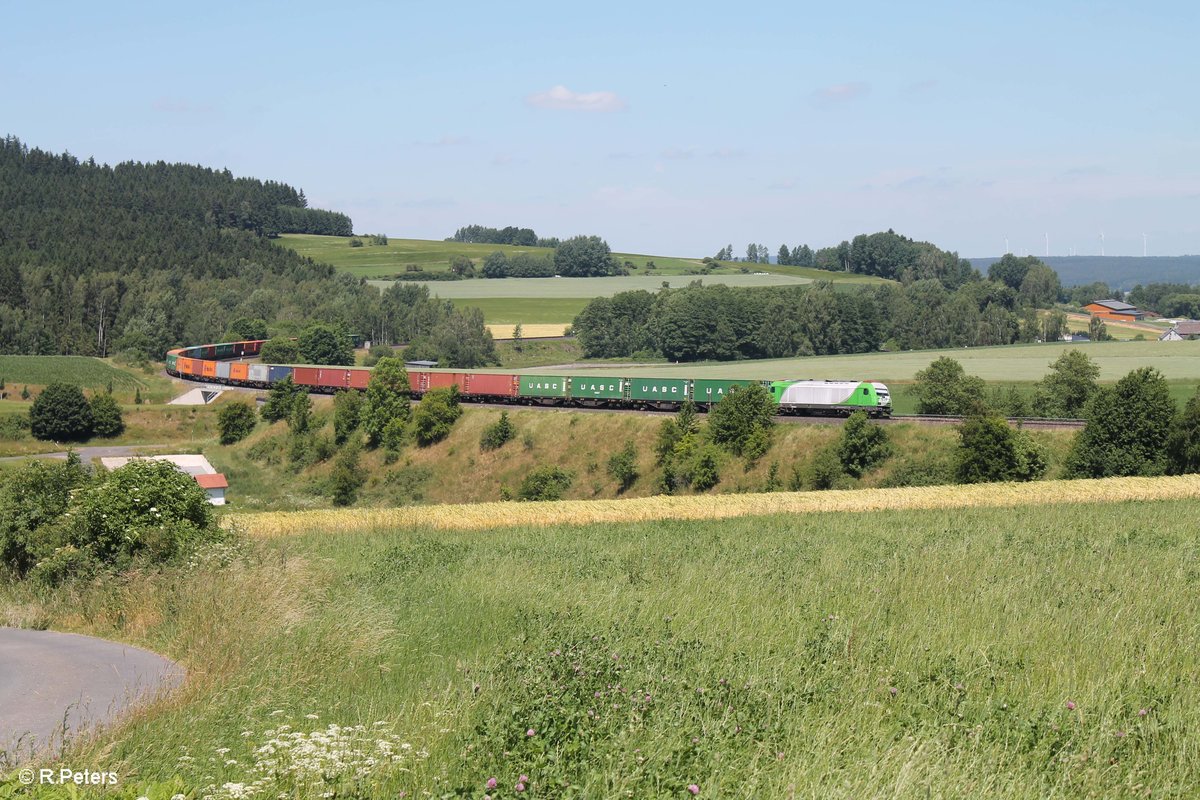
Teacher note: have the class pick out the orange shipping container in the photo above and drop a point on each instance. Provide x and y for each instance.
(239, 371)
(209, 369)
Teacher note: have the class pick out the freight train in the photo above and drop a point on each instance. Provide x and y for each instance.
(223, 363)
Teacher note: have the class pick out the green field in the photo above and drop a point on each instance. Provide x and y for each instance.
(525, 310)
(984, 653)
(90, 373)
(565, 288)
(1178, 361)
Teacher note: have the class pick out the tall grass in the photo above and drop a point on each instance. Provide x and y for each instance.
(1022, 651)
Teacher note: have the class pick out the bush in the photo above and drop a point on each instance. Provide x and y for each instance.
(862, 445)
(545, 483)
(622, 467)
(347, 413)
(146, 512)
(282, 400)
(347, 477)
(377, 352)
(386, 400)
(706, 471)
(33, 498)
(235, 421)
(61, 413)
(106, 416)
(945, 388)
(498, 434)
(1128, 428)
(825, 472)
(989, 450)
(436, 415)
(741, 413)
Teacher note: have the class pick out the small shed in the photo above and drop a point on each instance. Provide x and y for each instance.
(214, 485)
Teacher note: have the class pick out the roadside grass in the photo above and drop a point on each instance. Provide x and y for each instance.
(1022, 651)
(186, 427)
(1178, 361)
(525, 310)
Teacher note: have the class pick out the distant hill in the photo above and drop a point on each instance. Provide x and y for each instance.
(1119, 272)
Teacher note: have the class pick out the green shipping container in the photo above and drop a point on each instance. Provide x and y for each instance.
(706, 391)
(543, 386)
(225, 350)
(603, 388)
(665, 390)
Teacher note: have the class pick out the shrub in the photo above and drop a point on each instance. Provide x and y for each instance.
(235, 421)
(347, 413)
(623, 466)
(545, 483)
(33, 498)
(386, 399)
(741, 413)
(146, 511)
(1128, 427)
(377, 352)
(706, 471)
(945, 388)
(435, 415)
(862, 445)
(989, 450)
(106, 416)
(61, 413)
(279, 350)
(498, 434)
(347, 477)
(825, 471)
(282, 400)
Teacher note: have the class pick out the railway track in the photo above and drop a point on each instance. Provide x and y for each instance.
(1036, 423)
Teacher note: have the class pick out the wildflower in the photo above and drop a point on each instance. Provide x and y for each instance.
(1143, 712)
(1120, 734)
(693, 788)
(892, 690)
(530, 732)
(491, 783)
(1070, 705)
(523, 779)
(312, 716)
(520, 787)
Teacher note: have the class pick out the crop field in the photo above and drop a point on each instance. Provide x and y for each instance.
(528, 331)
(1013, 652)
(89, 373)
(525, 310)
(574, 288)
(1178, 361)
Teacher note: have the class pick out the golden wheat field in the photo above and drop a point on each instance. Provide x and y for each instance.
(581, 512)
(532, 331)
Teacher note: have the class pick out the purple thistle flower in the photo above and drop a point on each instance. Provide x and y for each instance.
(530, 732)
(491, 783)
(523, 779)
(520, 787)
(892, 691)
(1070, 705)
(1143, 712)
(693, 788)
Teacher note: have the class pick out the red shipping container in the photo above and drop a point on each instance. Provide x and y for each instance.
(444, 380)
(209, 369)
(333, 378)
(359, 378)
(306, 376)
(418, 381)
(482, 383)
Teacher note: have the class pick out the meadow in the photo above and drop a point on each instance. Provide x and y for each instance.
(1013, 652)
(586, 288)
(525, 310)
(89, 373)
(1178, 361)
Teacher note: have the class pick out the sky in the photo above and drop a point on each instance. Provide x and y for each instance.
(666, 128)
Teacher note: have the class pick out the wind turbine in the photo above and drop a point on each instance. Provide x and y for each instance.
(1047, 245)
(1006, 244)
(1143, 245)
(1102, 242)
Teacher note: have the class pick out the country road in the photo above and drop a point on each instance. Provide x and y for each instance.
(53, 684)
(86, 454)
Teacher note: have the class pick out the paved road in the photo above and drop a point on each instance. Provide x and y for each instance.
(51, 683)
(86, 454)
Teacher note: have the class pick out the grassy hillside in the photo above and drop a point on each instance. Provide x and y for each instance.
(990, 653)
(262, 474)
(89, 373)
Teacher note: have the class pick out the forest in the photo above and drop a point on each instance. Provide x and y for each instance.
(135, 258)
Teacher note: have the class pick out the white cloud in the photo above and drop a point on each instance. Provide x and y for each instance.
(562, 98)
(840, 93)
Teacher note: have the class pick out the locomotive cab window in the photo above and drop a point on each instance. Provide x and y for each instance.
(865, 391)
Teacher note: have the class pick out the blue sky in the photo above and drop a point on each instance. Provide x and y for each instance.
(667, 128)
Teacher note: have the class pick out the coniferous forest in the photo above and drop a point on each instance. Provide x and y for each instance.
(139, 257)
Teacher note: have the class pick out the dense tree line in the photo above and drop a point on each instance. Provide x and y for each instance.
(480, 234)
(1168, 299)
(96, 260)
(721, 323)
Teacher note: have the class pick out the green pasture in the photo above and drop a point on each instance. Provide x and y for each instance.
(562, 288)
(90, 373)
(984, 653)
(525, 310)
(1178, 361)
